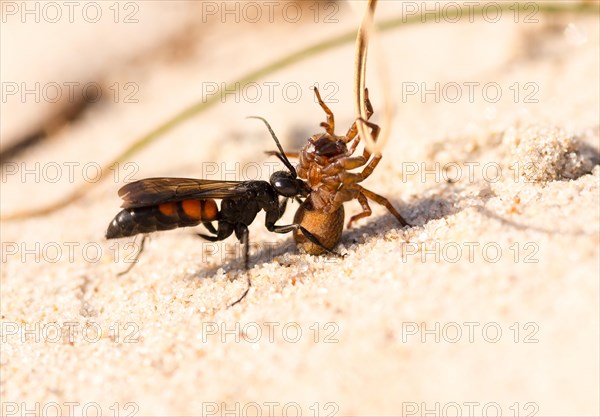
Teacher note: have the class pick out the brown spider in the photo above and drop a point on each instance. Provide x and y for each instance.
(324, 163)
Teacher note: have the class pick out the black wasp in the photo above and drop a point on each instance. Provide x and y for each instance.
(156, 204)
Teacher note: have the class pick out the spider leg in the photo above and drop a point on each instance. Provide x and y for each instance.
(382, 201)
(330, 124)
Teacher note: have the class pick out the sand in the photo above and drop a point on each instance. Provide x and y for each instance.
(487, 305)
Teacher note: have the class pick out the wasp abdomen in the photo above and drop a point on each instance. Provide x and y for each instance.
(165, 216)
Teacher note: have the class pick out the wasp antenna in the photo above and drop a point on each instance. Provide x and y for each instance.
(281, 154)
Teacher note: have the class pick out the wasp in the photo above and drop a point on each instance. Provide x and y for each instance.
(324, 162)
(156, 204)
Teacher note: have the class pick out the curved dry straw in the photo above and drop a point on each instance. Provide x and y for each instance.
(360, 73)
(274, 66)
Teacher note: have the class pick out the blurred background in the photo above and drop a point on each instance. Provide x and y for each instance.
(82, 82)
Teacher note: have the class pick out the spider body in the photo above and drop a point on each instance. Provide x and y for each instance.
(325, 163)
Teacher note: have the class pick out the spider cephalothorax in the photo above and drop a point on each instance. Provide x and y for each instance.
(325, 163)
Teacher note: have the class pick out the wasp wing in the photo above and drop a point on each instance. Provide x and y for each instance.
(152, 191)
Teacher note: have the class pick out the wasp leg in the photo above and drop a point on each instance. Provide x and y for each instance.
(330, 124)
(282, 207)
(241, 232)
(383, 201)
(137, 256)
(223, 232)
(291, 227)
(209, 226)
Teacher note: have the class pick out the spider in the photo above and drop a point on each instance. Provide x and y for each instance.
(324, 162)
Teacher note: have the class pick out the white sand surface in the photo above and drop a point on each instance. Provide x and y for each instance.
(488, 304)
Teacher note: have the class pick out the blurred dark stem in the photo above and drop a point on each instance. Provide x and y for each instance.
(69, 114)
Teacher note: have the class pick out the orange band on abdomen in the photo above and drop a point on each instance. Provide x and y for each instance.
(167, 209)
(192, 209)
(209, 210)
